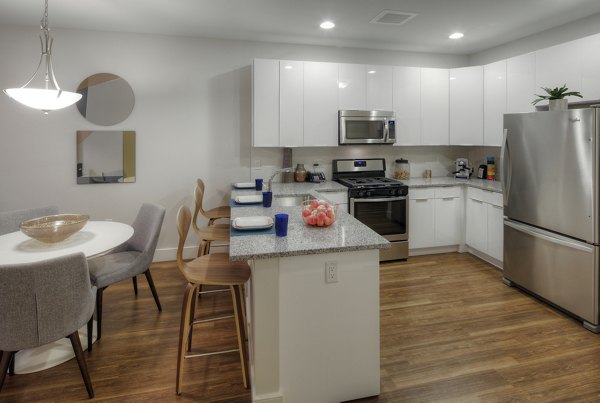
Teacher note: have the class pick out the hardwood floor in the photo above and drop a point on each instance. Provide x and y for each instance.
(450, 330)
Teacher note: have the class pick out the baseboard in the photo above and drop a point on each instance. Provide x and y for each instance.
(433, 251)
(486, 257)
(189, 252)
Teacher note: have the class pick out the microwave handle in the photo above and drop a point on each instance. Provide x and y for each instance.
(386, 130)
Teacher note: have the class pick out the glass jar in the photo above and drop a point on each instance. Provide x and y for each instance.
(300, 173)
(402, 169)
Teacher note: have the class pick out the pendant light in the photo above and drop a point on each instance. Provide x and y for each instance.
(42, 91)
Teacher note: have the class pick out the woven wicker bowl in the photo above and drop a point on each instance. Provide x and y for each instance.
(54, 228)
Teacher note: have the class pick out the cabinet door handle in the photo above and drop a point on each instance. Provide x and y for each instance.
(449, 198)
(477, 200)
(420, 199)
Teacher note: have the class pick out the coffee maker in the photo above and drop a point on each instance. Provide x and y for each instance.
(461, 168)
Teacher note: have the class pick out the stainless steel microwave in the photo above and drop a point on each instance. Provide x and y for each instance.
(366, 127)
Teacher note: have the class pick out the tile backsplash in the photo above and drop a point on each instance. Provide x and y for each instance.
(439, 159)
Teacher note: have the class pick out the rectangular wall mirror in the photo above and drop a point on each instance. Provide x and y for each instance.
(105, 156)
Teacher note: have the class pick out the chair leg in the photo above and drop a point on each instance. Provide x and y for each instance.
(193, 316)
(90, 333)
(74, 337)
(152, 288)
(134, 280)
(11, 365)
(240, 326)
(6, 357)
(99, 293)
(184, 328)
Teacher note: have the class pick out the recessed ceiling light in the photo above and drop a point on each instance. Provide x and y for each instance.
(371, 72)
(456, 35)
(327, 25)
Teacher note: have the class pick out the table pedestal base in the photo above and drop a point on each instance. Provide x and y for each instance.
(50, 355)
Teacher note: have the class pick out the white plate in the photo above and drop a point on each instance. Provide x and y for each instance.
(248, 199)
(244, 185)
(253, 222)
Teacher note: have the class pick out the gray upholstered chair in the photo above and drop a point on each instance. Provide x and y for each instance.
(130, 259)
(43, 302)
(10, 220)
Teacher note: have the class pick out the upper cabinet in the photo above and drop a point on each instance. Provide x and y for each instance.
(558, 65)
(520, 83)
(590, 66)
(291, 103)
(265, 103)
(494, 102)
(379, 87)
(407, 105)
(466, 106)
(434, 106)
(352, 86)
(320, 104)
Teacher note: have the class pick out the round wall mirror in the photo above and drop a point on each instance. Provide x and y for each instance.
(106, 99)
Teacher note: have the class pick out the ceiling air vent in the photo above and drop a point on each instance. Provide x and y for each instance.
(392, 17)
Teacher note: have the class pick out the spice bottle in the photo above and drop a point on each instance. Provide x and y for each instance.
(300, 173)
(402, 169)
(491, 168)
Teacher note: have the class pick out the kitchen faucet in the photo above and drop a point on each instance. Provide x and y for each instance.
(289, 169)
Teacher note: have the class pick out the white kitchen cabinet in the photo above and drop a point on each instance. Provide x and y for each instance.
(434, 106)
(590, 66)
(466, 106)
(435, 217)
(407, 105)
(352, 86)
(291, 103)
(556, 66)
(485, 227)
(379, 88)
(265, 103)
(520, 83)
(494, 102)
(495, 224)
(320, 104)
(448, 214)
(421, 223)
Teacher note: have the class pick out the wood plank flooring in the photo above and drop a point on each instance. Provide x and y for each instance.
(450, 331)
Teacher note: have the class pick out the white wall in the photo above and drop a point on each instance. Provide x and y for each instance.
(192, 118)
(565, 33)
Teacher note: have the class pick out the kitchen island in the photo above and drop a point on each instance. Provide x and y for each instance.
(311, 340)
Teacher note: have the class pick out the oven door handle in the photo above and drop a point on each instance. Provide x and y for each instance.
(383, 199)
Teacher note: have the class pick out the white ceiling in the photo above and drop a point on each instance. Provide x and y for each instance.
(485, 23)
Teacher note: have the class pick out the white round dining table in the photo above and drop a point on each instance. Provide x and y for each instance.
(95, 238)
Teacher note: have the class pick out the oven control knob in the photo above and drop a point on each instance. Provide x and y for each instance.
(369, 194)
(362, 193)
(392, 192)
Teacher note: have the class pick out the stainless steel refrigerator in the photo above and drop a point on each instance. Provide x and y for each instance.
(550, 176)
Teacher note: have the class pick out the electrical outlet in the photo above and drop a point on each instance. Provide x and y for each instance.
(257, 164)
(331, 273)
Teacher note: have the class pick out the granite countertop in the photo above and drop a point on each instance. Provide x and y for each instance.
(345, 234)
(484, 184)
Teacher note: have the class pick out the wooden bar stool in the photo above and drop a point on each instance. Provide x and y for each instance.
(221, 231)
(212, 214)
(213, 269)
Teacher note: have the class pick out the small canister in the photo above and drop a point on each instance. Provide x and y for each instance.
(402, 169)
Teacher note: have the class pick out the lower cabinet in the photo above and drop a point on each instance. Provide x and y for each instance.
(435, 217)
(485, 215)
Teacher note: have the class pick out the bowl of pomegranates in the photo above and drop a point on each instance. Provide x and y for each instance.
(318, 213)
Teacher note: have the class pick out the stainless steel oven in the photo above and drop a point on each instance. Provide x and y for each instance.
(378, 202)
(388, 216)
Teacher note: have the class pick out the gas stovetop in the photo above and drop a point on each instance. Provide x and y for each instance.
(366, 182)
(366, 178)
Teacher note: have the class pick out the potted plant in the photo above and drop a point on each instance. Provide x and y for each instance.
(556, 97)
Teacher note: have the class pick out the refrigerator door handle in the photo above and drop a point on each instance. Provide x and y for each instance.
(505, 171)
(550, 237)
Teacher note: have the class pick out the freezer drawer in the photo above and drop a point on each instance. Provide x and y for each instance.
(558, 269)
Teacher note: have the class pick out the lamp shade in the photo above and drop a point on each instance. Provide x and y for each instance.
(43, 99)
